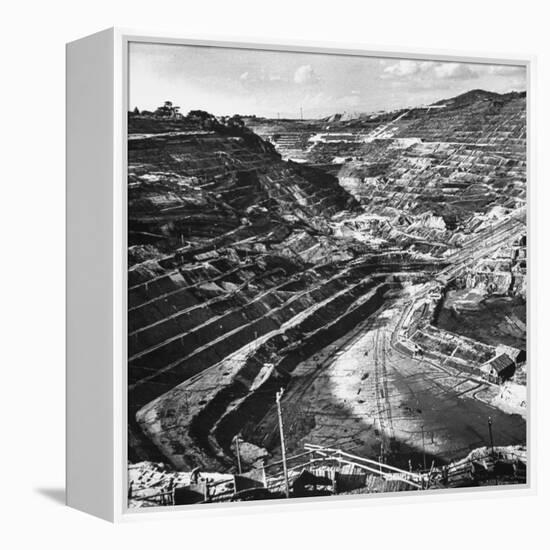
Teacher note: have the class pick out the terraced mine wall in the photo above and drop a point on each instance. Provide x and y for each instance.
(241, 266)
(200, 328)
(187, 320)
(228, 243)
(475, 147)
(247, 396)
(305, 340)
(432, 173)
(187, 186)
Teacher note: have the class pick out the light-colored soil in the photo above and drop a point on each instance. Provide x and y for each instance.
(362, 394)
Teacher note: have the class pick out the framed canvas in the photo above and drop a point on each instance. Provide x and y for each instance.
(297, 275)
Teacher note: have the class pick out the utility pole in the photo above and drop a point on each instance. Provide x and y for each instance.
(490, 423)
(278, 396)
(237, 439)
(301, 113)
(423, 449)
(264, 477)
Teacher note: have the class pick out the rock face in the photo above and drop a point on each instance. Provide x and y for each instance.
(243, 264)
(453, 160)
(228, 242)
(186, 186)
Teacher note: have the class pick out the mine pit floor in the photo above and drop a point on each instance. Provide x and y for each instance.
(363, 395)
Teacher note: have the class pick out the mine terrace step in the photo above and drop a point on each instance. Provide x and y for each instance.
(153, 382)
(254, 315)
(215, 412)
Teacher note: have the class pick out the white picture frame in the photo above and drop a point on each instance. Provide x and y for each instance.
(97, 106)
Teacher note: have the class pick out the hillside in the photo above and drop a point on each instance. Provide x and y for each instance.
(189, 184)
(250, 272)
(225, 239)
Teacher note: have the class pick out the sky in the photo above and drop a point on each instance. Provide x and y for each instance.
(225, 81)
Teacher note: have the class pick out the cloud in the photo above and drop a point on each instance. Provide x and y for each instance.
(261, 80)
(455, 71)
(305, 75)
(406, 67)
(410, 70)
(430, 69)
(506, 70)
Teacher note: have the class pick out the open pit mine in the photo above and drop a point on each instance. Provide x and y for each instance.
(326, 306)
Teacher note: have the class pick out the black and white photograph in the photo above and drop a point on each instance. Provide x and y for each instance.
(275, 275)
(327, 275)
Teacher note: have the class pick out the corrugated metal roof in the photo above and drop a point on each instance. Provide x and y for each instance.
(501, 362)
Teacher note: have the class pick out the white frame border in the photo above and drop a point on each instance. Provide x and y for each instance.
(122, 38)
